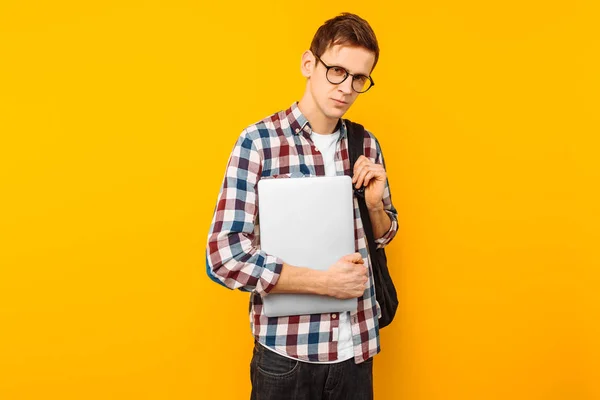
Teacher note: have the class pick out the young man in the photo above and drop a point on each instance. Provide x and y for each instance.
(319, 356)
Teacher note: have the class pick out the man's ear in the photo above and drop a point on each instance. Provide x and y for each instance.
(307, 65)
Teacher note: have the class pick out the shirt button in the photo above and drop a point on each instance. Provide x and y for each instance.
(333, 316)
(297, 130)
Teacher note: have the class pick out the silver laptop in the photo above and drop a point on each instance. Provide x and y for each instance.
(307, 222)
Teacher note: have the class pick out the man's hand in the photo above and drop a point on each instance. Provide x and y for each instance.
(346, 278)
(373, 177)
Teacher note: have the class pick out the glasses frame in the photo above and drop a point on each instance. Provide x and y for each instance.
(328, 67)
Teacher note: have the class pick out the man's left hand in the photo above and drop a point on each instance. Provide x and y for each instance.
(373, 177)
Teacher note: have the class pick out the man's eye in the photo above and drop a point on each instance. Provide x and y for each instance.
(361, 78)
(339, 71)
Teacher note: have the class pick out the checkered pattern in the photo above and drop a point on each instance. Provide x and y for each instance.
(280, 145)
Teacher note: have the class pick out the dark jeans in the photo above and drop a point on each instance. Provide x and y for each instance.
(275, 377)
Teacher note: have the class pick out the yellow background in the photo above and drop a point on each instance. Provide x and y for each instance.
(116, 121)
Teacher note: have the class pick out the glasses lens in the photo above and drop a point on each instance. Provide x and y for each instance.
(361, 83)
(336, 75)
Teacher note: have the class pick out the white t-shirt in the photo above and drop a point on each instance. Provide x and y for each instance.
(327, 144)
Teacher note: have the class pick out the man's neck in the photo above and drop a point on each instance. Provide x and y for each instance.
(318, 122)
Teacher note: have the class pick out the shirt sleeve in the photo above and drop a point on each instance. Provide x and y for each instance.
(233, 252)
(387, 206)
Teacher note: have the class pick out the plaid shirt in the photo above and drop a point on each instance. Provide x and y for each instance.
(280, 145)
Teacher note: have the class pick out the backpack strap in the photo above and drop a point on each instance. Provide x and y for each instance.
(356, 139)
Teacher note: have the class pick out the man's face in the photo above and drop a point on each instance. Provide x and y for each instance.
(334, 100)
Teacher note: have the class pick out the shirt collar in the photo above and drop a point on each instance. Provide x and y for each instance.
(299, 123)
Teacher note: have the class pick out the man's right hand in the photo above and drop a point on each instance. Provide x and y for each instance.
(346, 278)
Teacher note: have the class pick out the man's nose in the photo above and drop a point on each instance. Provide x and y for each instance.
(346, 86)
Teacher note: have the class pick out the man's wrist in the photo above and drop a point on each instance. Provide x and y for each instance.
(375, 208)
(322, 283)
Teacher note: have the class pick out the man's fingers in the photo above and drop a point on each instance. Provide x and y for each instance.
(355, 258)
(360, 161)
(364, 173)
(360, 177)
(368, 177)
(358, 166)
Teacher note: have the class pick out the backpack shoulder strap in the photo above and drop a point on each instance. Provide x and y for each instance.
(356, 139)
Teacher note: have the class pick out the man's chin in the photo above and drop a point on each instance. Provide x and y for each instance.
(336, 113)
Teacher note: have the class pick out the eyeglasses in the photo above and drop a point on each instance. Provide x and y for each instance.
(336, 75)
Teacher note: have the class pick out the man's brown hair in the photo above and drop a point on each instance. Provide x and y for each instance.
(345, 29)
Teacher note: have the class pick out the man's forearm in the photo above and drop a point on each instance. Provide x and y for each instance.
(380, 220)
(300, 280)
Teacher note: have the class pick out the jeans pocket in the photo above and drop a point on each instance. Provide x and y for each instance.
(274, 365)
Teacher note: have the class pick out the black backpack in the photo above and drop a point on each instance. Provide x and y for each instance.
(385, 291)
